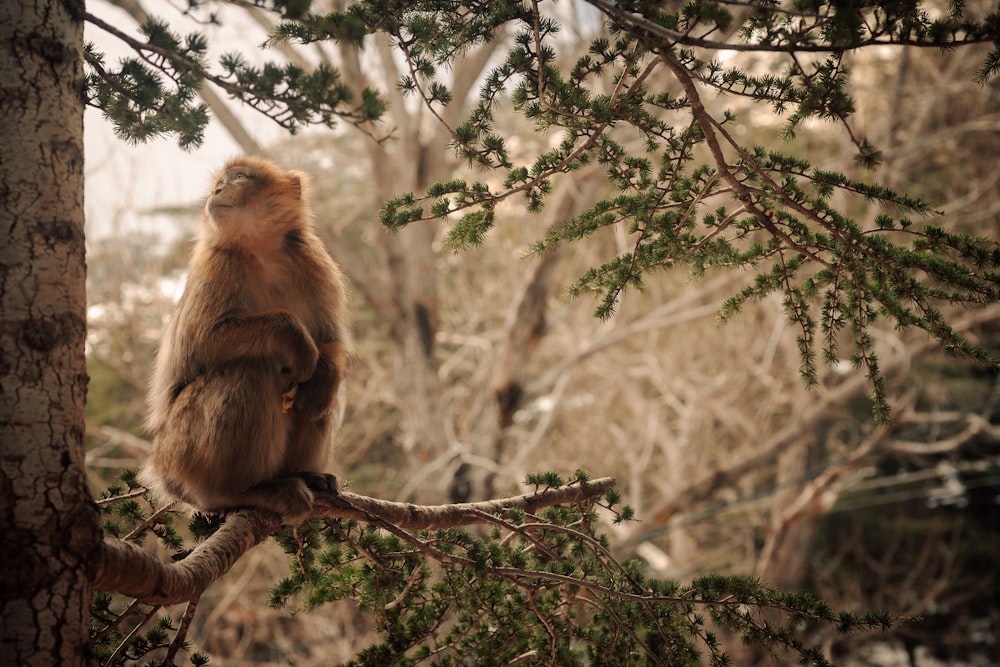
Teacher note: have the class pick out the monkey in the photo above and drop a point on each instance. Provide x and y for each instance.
(247, 386)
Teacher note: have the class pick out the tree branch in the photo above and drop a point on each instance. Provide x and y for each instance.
(236, 129)
(640, 22)
(274, 105)
(128, 569)
(708, 126)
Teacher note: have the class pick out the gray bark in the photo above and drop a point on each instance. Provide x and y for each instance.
(49, 525)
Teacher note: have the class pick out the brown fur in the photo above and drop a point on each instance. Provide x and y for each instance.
(246, 393)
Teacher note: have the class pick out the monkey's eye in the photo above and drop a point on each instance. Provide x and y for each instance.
(239, 176)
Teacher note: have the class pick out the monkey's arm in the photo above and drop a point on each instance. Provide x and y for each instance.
(278, 334)
(315, 397)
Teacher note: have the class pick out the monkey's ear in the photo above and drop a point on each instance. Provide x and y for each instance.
(299, 182)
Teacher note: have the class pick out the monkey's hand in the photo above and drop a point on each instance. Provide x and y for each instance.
(300, 361)
(274, 335)
(316, 397)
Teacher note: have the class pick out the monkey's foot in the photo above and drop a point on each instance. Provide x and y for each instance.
(320, 481)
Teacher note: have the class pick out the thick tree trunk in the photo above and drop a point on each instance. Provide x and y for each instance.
(49, 526)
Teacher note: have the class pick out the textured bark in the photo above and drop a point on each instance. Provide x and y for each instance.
(128, 569)
(49, 525)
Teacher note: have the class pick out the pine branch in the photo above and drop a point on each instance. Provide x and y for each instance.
(128, 569)
(182, 629)
(708, 125)
(135, 99)
(958, 37)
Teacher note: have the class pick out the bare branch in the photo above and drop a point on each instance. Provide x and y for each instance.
(765, 453)
(178, 643)
(128, 569)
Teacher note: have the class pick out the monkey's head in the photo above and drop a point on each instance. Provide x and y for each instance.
(255, 198)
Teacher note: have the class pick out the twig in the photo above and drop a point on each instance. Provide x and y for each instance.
(182, 630)
(152, 519)
(114, 499)
(130, 635)
(115, 623)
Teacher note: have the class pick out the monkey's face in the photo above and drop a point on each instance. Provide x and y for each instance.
(235, 188)
(252, 197)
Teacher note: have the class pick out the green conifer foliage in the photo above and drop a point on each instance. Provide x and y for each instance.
(690, 193)
(643, 104)
(534, 588)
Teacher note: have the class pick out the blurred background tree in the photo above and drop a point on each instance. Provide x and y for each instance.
(474, 368)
